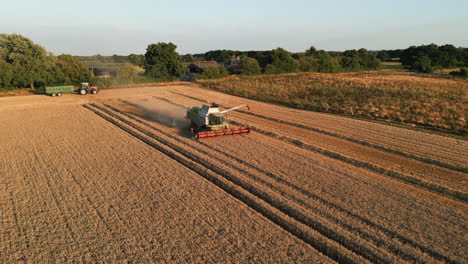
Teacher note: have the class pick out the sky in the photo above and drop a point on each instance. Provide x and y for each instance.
(89, 27)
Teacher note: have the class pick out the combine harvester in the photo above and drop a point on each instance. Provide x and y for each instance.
(209, 121)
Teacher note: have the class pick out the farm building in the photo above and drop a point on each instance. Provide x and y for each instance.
(105, 72)
(234, 68)
(100, 69)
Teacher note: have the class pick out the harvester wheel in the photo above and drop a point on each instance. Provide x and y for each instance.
(94, 92)
(59, 94)
(83, 92)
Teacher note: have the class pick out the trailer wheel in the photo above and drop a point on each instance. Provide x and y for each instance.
(94, 92)
(82, 92)
(53, 94)
(59, 94)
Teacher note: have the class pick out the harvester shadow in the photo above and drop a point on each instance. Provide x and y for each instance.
(167, 119)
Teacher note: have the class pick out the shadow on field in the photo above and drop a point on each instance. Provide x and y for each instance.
(162, 112)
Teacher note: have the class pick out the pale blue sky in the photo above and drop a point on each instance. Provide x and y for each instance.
(87, 27)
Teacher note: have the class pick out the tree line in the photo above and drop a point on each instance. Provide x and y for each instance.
(280, 61)
(26, 64)
(427, 58)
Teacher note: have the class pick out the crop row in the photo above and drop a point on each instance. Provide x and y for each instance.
(428, 160)
(335, 237)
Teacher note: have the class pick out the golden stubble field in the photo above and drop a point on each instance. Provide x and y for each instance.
(428, 101)
(117, 178)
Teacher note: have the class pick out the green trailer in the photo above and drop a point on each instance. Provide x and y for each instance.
(59, 90)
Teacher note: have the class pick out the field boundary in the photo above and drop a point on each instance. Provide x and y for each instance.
(429, 186)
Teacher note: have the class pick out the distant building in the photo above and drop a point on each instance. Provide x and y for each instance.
(200, 66)
(105, 72)
(100, 69)
(234, 68)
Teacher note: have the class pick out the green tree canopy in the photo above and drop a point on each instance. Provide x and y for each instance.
(55, 75)
(327, 63)
(188, 58)
(423, 64)
(213, 72)
(311, 52)
(224, 56)
(308, 63)
(137, 60)
(354, 60)
(383, 55)
(351, 60)
(426, 58)
(74, 71)
(128, 71)
(28, 61)
(163, 62)
(282, 62)
(6, 74)
(250, 66)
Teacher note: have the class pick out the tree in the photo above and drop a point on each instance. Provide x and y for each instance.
(163, 62)
(351, 60)
(449, 56)
(55, 75)
(137, 60)
(188, 58)
(74, 71)
(308, 64)
(327, 63)
(263, 57)
(224, 56)
(423, 64)
(311, 52)
(250, 66)
(6, 74)
(373, 62)
(354, 60)
(128, 71)
(29, 62)
(213, 72)
(282, 62)
(426, 58)
(383, 55)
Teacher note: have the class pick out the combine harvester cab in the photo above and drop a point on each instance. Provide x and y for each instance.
(208, 122)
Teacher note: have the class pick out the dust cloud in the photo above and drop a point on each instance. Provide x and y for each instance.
(163, 112)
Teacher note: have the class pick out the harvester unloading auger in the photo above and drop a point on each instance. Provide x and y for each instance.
(209, 121)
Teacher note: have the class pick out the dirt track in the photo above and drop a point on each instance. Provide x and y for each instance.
(116, 177)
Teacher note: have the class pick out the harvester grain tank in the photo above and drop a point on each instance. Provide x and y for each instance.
(209, 121)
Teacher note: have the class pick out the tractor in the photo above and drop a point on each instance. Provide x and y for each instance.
(87, 88)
